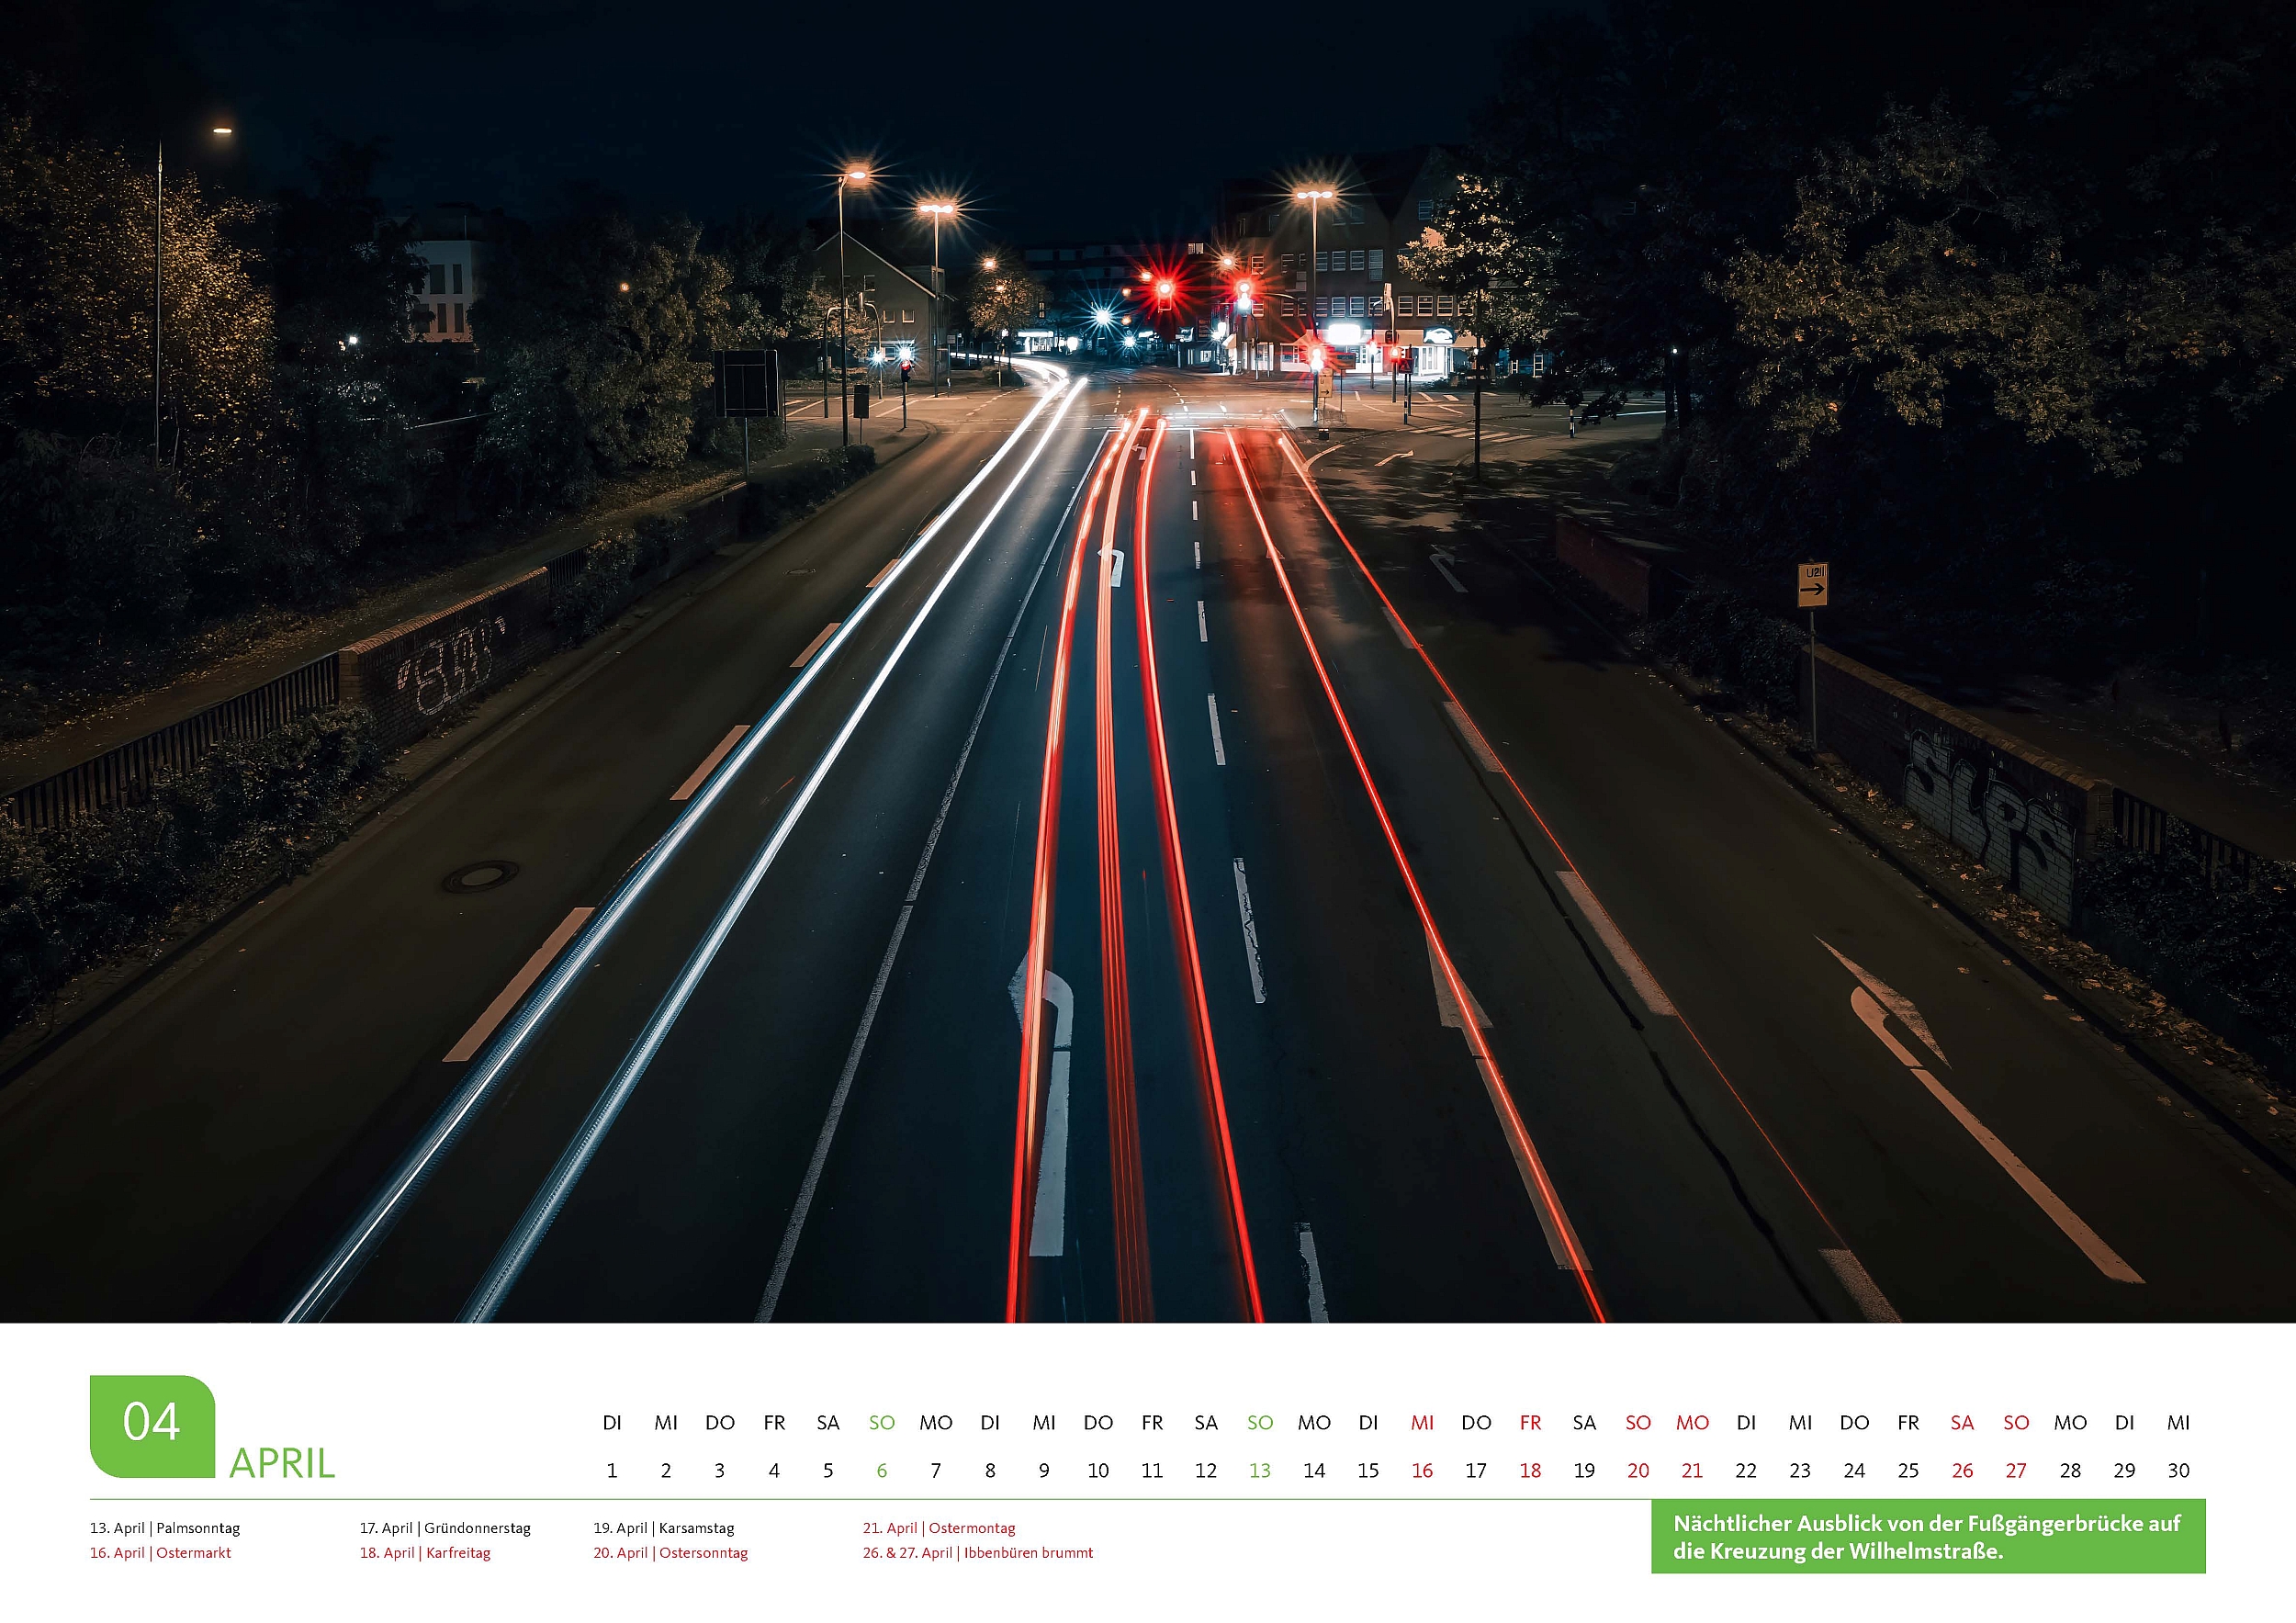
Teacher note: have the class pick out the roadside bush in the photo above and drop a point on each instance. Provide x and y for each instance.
(581, 604)
(1724, 636)
(2238, 942)
(75, 895)
(774, 501)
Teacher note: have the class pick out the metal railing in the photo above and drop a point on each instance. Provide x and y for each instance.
(124, 774)
(2149, 828)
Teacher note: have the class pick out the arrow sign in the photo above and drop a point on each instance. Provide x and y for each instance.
(1809, 580)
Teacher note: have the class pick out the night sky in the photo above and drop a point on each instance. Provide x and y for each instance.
(1052, 122)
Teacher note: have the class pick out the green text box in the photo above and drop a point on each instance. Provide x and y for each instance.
(1928, 1535)
(150, 1425)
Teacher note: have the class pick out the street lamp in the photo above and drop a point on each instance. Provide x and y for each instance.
(855, 176)
(159, 232)
(1314, 198)
(937, 210)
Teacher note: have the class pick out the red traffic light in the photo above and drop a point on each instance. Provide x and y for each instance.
(1244, 289)
(907, 368)
(1164, 290)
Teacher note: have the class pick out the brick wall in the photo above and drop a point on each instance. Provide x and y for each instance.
(2016, 810)
(409, 675)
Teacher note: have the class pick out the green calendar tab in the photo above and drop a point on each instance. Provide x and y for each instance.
(150, 1425)
(1928, 1535)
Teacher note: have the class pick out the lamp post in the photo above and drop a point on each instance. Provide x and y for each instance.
(844, 395)
(1314, 198)
(938, 211)
(159, 232)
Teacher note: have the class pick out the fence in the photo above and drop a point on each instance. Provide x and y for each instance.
(2149, 828)
(125, 774)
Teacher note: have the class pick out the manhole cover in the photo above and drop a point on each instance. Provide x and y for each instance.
(477, 876)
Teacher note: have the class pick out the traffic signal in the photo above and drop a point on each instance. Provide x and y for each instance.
(907, 368)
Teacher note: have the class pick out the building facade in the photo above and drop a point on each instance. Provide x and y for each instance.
(889, 309)
(454, 241)
(1334, 268)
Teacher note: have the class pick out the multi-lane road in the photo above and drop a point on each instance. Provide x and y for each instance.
(1106, 867)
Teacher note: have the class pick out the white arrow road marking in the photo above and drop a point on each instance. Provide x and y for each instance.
(2107, 1259)
(1383, 461)
(1251, 933)
(1447, 1005)
(1047, 1233)
(1897, 1003)
(1638, 973)
(1115, 568)
(1443, 561)
(1318, 1313)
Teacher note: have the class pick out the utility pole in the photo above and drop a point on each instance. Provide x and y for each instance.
(159, 225)
(1314, 198)
(844, 395)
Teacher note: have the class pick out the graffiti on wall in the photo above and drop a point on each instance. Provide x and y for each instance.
(448, 668)
(1958, 792)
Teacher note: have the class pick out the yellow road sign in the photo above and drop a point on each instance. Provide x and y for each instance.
(1810, 582)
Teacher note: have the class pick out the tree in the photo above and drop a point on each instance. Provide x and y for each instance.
(1002, 300)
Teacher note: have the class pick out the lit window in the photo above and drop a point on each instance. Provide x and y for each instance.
(1443, 304)
(1323, 259)
(1322, 308)
(1355, 259)
(1355, 304)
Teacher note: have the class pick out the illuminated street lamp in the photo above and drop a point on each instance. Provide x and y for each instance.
(1314, 198)
(159, 232)
(852, 177)
(937, 210)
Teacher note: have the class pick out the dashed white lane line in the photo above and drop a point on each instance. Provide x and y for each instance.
(1319, 1312)
(1861, 1286)
(709, 764)
(1194, 512)
(1219, 750)
(1199, 555)
(496, 1011)
(814, 647)
(1251, 933)
(2109, 1261)
(1401, 634)
(880, 574)
(1473, 735)
(1203, 630)
(1638, 973)
(1048, 1233)
(1191, 476)
(1447, 1005)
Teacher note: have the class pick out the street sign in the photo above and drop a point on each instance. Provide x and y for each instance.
(749, 382)
(1810, 580)
(860, 399)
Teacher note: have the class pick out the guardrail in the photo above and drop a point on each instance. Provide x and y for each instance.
(124, 774)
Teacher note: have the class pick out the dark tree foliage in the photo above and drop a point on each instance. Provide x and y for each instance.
(1996, 304)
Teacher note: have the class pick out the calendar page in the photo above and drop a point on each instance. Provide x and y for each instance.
(1356, 1472)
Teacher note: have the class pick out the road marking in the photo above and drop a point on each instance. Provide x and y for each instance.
(1562, 1240)
(1861, 1286)
(1251, 933)
(1399, 631)
(1383, 461)
(1191, 445)
(1473, 735)
(709, 763)
(1194, 511)
(2107, 1259)
(1317, 1312)
(1199, 555)
(1897, 1003)
(880, 574)
(1114, 570)
(1203, 630)
(1218, 750)
(1191, 476)
(1443, 561)
(1447, 1005)
(787, 1253)
(1047, 1233)
(1645, 984)
(814, 647)
(544, 955)
(1323, 452)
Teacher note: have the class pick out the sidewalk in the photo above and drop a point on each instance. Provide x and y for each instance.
(26, 760)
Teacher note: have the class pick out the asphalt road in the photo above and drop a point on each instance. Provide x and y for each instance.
(1411, 956)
